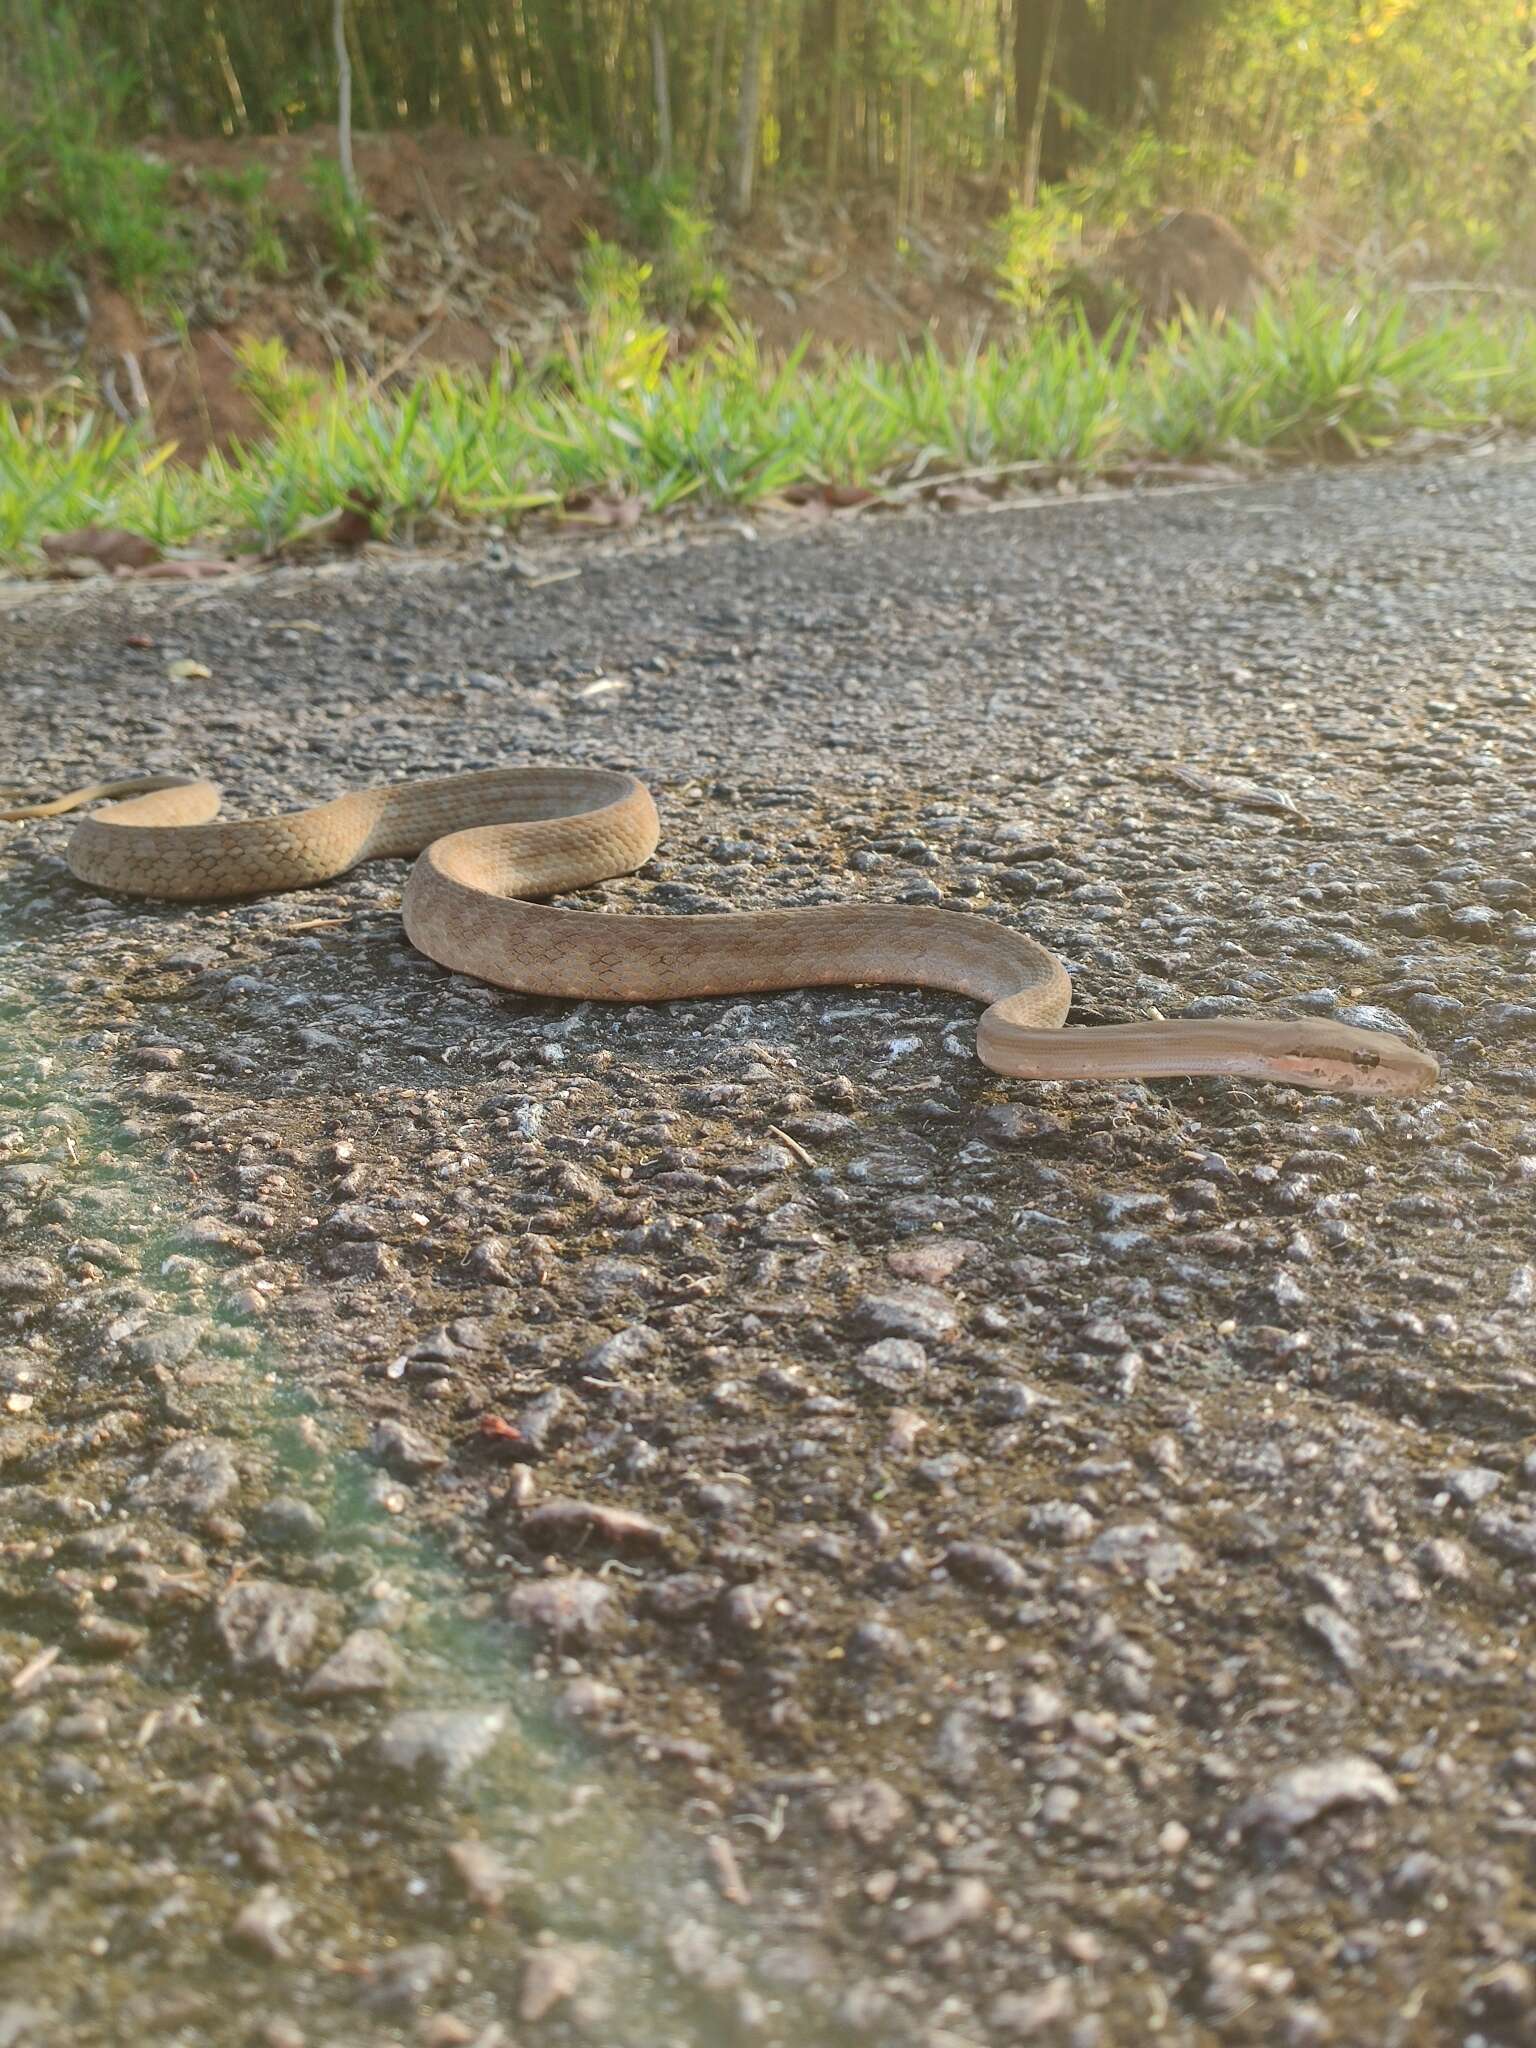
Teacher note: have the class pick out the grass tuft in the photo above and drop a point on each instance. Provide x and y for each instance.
(1320, 375)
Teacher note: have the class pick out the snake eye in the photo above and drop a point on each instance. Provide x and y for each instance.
(1367, 1060)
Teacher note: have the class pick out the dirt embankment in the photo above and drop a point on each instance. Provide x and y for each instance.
(480, 241)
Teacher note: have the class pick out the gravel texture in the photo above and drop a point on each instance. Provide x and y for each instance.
(728, 1523)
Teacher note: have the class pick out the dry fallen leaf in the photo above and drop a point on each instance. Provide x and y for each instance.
(188, 672)
(830, 497)
(349, 526)
(109, 546)
(602, 508)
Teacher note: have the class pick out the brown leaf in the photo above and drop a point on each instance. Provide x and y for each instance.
(111, 546)
(352, 525)
(821, 499)
(602, 508)
(349, 526)
(847, 497)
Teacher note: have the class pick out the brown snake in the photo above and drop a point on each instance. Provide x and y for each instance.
(485, 841)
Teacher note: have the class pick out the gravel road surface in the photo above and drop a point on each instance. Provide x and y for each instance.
(728, 1523)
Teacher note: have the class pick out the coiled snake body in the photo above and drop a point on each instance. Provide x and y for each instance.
(487, 840)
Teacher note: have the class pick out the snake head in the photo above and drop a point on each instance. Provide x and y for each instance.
(1347, 1061)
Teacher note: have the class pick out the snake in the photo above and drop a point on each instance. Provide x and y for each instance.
(488, 844)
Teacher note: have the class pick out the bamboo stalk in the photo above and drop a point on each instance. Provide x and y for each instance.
(343, 97)
(1031, 185)
(661, 88)
(749, 112)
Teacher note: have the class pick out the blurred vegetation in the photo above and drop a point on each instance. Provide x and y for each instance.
(1379, 142)
(1409, 124)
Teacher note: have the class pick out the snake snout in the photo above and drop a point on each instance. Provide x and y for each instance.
(1355, 1062)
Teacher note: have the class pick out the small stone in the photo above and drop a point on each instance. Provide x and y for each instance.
(288, 1523)
(920, 1313)
(967, 1900)
(932, 1262)
(895, 1364)
(1470, 1485)
(350, 1261)
(986, 1566)
(438, 1744)
(878, 1642)
(367, 1662)
(571, 1609)
(1442, 1557)
(622, 1352)
(1039, 1707)
(871, 1812)
(1338, 1636)
(408, 1453)
(259, 1927)
(542, 1420)
(1511, 1533)
(1023, 2015)
(746, 1610)
(957, 1748)
(28, 1279)
(165, 1342)
(193, 1477)
(1145, 1548)
(484, 1873)
(586, 1525)
(102, 1635)
(550, 1976)
(1297, 1797)
(267, 1626)
(399, 1982)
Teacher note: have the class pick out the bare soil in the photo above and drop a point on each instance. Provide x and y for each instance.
(482, 238)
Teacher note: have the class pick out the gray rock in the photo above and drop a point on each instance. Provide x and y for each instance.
(366, 1662)
(399, 1982)
(28, 1279)
(165, 1342)
(259, 1928)
(408, 1453)
(894, 1364)
(438, 1745)
(266, 1626)
(570, 1608)
(1301, 1795)
(912, 1311)
(288, 1523)
(193, 1477)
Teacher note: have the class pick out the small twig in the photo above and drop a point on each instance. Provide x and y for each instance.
(990, 472)
(29, 1674)
(76, 291)
(136, 386)
(1500, 291)
(109, 393)
(789, 1145)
